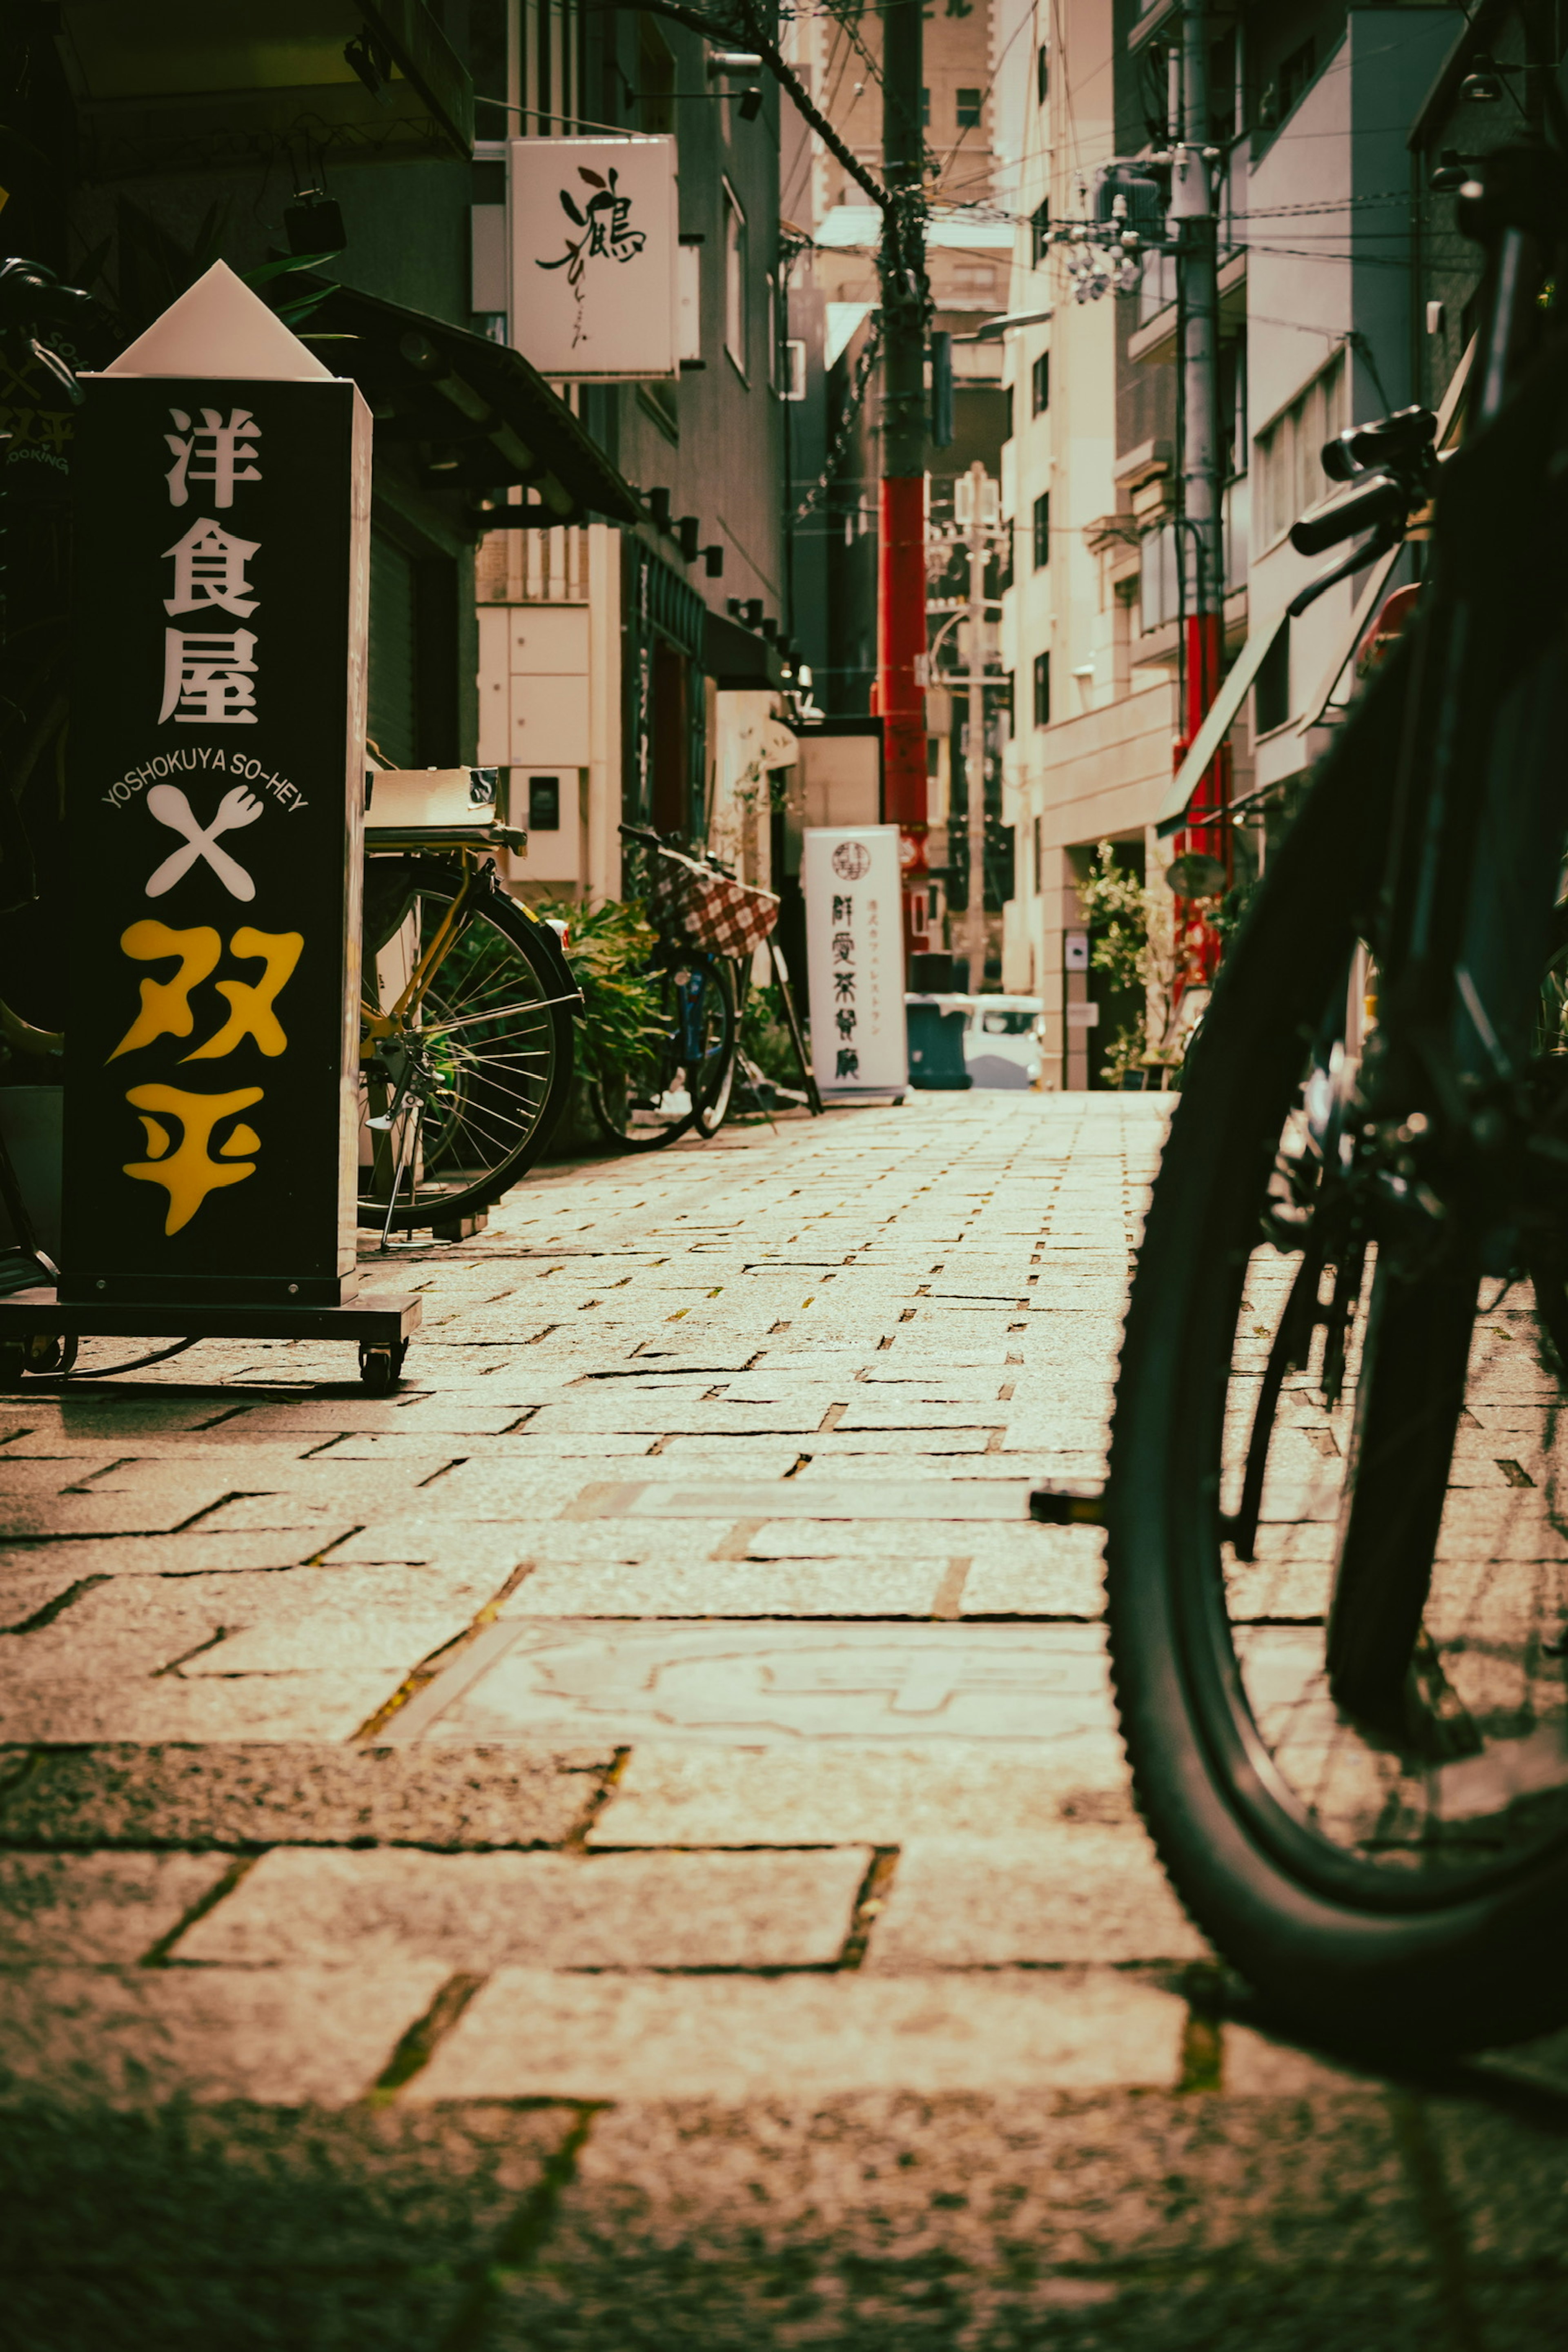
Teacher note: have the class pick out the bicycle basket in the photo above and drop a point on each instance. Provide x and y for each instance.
(712, 911)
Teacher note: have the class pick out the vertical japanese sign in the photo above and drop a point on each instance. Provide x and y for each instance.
(216, 795)
(595, 256)
(855, 960)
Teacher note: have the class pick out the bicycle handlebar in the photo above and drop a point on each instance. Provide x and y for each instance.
(31, 297)
(1379, 499)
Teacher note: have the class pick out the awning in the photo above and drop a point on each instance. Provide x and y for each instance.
(473, 415)
(189, 85)
(1218, 720)
(733, 657)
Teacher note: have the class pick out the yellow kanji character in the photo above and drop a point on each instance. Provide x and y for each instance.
(251, 1003)
(189, 1173)
(166, 1004)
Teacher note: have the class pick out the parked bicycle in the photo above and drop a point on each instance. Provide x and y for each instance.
(682, 1079)
(1336, 1595)
(467, 1030)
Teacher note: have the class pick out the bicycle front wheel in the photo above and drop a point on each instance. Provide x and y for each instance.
(457, 1106)
(1336, 1596)
(682, 1076)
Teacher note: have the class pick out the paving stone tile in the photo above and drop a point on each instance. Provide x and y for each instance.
(1066, 1893)
(95, 1907)
(1113, 2220)
(894, 1446)
(771, 1685)
(729, 1589)
(47, 1472)
(264, 1469)
(240, 2225)
(531, 2034)
(478, 1912)
(300, 1620)
(425, 1412)
(669, 1795)
(26, 1590)
(260, 1794)
(171, 1707)
(199, 1553)
(881, 1503)
(488, 1547)
(1065, 1577)
(130, 2037)
(1508, 2181)
(154, 1511)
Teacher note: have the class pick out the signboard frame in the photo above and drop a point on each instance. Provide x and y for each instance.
(216, 790)
(596, 257)
(855, 962)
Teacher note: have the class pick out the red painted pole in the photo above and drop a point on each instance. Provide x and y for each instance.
(900, 698)
(1202, 552)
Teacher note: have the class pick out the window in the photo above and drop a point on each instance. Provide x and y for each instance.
(544, 804)
(1040, 382)
(1042, 690)
(1039, 235)
(969, 109)
(1271, 694)
(1042, 74)
(1295, 74)
(656, 79)
(1290, 468)
(1042, 531)
(734, 280)
(795, 369)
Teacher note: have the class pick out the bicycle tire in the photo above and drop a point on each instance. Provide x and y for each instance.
(717, 1099)
(641, 1110)
(1350, 1953)
(504, 1071)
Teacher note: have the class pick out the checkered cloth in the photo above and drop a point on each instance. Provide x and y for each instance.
(712, 911)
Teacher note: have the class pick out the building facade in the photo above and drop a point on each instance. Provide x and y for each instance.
(633, 673)
(1326, 232)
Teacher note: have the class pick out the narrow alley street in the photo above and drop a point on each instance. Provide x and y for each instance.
(624, 1844)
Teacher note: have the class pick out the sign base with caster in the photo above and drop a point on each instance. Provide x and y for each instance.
(38, 1332)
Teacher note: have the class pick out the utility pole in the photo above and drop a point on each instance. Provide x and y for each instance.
(1201, 556)
(901, 598)
(976, 539)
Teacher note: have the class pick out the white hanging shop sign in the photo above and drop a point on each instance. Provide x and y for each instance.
(854, 960)
(595, 246)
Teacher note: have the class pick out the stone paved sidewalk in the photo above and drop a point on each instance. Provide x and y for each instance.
(623, 1845)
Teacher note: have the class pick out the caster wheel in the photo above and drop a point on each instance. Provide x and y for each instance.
(49, 1352)
(380, 1364)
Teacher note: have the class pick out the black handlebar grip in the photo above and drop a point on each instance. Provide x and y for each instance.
(1381, 500)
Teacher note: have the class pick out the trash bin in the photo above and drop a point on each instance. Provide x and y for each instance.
(936, 1044)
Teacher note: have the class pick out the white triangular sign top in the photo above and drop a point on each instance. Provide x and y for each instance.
(219, 328)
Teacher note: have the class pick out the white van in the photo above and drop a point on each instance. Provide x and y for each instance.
(1003, 1039)
(1004, 1044)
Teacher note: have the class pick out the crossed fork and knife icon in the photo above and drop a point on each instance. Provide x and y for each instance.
(171, 807)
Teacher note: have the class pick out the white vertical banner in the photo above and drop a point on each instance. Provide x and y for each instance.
(855, 960)
(595, 257)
